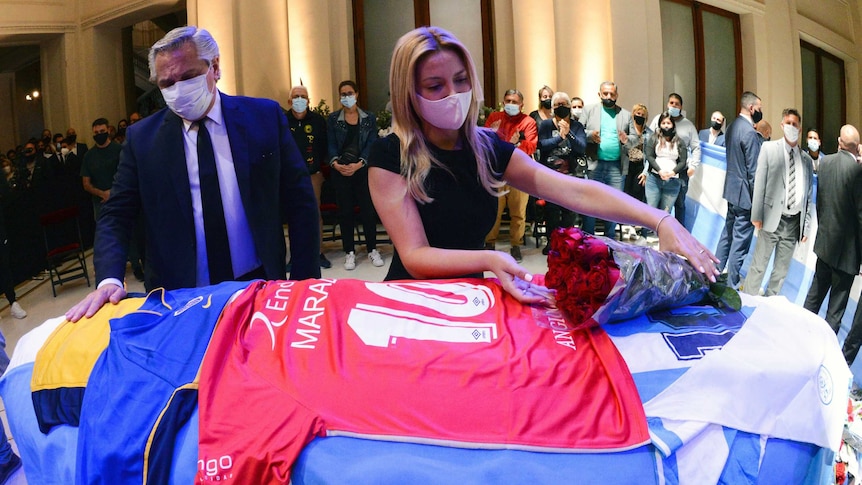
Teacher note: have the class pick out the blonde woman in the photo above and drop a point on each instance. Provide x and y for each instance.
(435, 179)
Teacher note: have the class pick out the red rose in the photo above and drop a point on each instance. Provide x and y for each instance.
(582, 271)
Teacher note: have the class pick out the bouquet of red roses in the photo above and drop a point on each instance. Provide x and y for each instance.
(599, 280)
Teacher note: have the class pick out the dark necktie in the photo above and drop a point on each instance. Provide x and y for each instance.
(215, 228)
(791, 182)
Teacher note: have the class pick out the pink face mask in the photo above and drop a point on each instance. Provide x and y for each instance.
(448, 113)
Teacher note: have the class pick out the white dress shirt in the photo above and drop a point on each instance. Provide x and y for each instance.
(242, 252)
(801, 191)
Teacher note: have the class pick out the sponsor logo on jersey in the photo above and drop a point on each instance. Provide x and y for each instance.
(215, 469)
(825, 385)
(194, 301)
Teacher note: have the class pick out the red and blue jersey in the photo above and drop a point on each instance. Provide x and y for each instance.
(448, 362)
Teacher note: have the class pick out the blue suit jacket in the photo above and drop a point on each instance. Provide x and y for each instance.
(704, 137)
(152, 179)
(743, 147)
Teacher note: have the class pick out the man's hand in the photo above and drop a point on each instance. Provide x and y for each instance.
(515, 138)
(757, 224)
(691, 171)
(495, 125)
(94, 301)
(105, 195)
(596, 137)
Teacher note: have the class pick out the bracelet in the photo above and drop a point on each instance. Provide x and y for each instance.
(660, 221)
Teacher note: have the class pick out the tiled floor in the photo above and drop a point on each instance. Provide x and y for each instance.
(36, 297)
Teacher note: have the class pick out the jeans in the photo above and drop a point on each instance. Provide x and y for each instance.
(607, 172)
(662, 194)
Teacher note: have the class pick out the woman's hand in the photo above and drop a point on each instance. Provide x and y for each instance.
(642, 179)
(675, 238)
(515, 279)
(347, 170)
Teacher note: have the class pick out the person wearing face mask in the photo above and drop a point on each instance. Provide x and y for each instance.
(350, 132)
(839, 237)
(666, 155)
(714, 134)
(79, 149)
(607, 127)
(100, 165)
(214, 178)
(577, 108)
(520, 130)
(781, 205)
(638, 166)
(120, 135)
(562, 144)
(33, 172)
(813, 147)
(309, 132)
(743, 147)
(687, 133)
(435, 179)
(544, 111)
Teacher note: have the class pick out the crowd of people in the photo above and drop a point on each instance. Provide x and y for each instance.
(213, 179)
(596, 164)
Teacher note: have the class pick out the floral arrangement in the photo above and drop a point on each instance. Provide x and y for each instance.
(384, 119)
(599, 280)
(322, 108)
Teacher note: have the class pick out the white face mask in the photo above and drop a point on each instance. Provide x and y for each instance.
(448, 113)
(64, 151)
(791, 133)
(348, 101)
(511, 109)
(577, 112)
(189, 99)
(299, 105)
(813, 145)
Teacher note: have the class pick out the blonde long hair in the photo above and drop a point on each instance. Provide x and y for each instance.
(416, 157)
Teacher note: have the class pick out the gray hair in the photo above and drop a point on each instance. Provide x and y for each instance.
(560, 95)
(206, 46)
(515, 92)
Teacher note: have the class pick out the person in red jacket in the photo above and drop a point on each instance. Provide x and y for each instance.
(514, 126)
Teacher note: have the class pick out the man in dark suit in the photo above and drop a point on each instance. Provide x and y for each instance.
(215, 178)
(743, 147)
(838, 245)
(781, 205)
(713, 135)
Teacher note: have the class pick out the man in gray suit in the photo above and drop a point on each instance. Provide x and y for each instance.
(743, 147)
(781, 204)
(607, 127)
(839, 232)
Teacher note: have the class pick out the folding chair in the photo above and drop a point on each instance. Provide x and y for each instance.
(64, 247)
